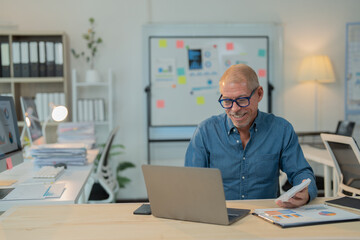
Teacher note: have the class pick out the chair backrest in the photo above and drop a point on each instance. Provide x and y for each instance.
(345, 154)
(103, 162)
(345, 128)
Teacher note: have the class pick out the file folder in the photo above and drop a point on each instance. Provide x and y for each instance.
(34, 60)
(5, 60)
(42, 59)
(59, 59)
(25, 65)
(50, 59)
(16, 59)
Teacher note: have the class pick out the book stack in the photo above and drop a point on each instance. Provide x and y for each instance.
(77, 132)
(51, 154)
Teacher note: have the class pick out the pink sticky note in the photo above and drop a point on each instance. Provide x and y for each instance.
(9, 164)
(230, 46)
(160, 103)
(179, 44)
(262, 72)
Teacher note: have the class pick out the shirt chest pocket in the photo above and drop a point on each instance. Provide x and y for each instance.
(267, 167)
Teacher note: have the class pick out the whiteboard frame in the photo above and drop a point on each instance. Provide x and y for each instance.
(272, 30)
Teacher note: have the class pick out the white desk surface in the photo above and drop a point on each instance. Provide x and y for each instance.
(74, 177)
(116, 221)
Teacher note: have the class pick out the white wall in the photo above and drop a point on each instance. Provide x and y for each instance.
(310, 27)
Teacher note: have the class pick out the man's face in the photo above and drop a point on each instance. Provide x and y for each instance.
(242, 117)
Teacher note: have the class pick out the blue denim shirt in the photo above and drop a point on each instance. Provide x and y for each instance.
(253, 172)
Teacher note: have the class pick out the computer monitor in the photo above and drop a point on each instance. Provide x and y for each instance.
(10, 146)
(32, 123)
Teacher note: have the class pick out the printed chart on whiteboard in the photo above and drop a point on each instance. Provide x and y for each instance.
(185, 71)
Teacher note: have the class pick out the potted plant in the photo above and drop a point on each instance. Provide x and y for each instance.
(92, 43)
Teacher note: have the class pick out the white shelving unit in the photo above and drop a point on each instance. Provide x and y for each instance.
(93, 90)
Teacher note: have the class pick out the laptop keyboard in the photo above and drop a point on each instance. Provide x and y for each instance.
(235, 213)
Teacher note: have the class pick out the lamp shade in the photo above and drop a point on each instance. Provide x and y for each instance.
(59, 113)
(316, 68)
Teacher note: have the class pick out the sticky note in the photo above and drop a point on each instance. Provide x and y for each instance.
(230, 46)
(160, 103)
(179, 44)
(200, 100)
(182, 80)
(262, 73)
(9, 164)
(261, 53)
(180, 71)
(162, 43)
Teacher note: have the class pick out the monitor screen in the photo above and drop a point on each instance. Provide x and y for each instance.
(10, 145)
(31, 119)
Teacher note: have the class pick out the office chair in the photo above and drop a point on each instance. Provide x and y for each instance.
(102, 183)
(346, 156)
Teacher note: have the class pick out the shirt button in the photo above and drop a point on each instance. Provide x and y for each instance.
(237, 141)
(243, 177)
(234, 130)
(255, 129)
(243, 158)
(242, 196)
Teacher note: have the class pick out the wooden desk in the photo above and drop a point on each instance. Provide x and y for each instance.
(116, 221)
(322, 156)
(74, 177)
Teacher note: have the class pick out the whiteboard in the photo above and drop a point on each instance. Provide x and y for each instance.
(182, 68)
(352, 76)
(185, 71)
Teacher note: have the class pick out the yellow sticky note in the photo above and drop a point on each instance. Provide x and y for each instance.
(182, 80)
(200, 100)
(163, 43)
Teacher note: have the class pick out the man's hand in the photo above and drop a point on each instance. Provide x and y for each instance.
(298, 200)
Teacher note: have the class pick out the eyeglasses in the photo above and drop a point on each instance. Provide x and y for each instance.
(241, 101)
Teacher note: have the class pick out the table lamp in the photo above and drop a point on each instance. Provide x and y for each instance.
(57, 113)
(316, 68)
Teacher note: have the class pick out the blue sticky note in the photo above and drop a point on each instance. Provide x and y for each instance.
(261, 53)
(180, 71)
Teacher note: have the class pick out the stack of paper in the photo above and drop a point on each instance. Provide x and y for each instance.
(77, 132)
(51, 154)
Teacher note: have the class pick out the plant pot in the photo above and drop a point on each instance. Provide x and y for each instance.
(92, 76)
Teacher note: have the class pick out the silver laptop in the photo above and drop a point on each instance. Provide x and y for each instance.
(190, 194)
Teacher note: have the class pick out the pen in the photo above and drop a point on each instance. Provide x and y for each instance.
(45, 194)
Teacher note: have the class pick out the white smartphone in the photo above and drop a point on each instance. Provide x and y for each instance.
(292, 191)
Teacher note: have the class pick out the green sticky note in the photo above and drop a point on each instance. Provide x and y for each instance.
(163, 43)
(181, 71)
(182, 80)
(262, 53)
(200, 100)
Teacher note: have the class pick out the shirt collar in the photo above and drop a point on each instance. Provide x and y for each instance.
(230, 126)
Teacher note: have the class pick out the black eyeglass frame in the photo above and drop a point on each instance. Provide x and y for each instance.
(235, 100)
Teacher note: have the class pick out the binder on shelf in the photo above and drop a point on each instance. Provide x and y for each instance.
(42, 59)
(50, 59)
(80, 108)
(91, 109)
(5, 60)
(34, 59)
(59, 59)
(38, 102)
(25, 65)
(16, 59)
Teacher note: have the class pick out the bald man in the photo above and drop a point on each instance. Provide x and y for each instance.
(250, 147)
